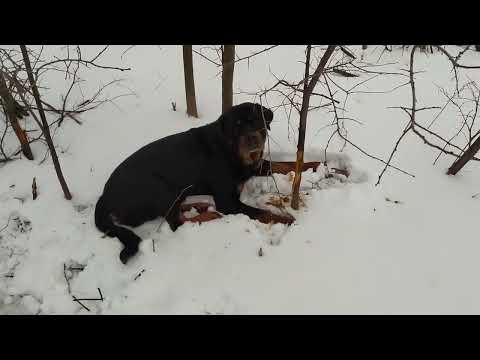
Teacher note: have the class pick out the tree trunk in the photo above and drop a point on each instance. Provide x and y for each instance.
(189, 81)
(466, 157)
(307, 91)
(301, 134)
(45, 128)
(11, 112)
(228, 63)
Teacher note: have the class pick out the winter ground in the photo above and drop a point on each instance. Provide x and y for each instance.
(349, 252)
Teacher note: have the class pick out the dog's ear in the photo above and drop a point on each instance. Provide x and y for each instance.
(264, 114)
(267, 115)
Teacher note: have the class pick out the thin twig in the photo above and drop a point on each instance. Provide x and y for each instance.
(405, 131)
(454, 61)
(8, 222)
(356, 146)
(78, 301)
(139, 274)
(168, 212)
(128, 49)
(205, 57)
(81, 61)
(66, 278)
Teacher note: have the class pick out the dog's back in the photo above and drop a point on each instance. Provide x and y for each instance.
(148, 183)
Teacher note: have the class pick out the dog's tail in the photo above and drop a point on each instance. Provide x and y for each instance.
(104, 222)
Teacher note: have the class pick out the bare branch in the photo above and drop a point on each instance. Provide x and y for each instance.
(356, 146)
(127, 50)
(405, 131)
(82, 61)
(255, 54)
(454, 60)
(206, 58)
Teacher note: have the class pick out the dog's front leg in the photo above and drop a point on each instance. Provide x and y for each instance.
(265, 216)
(232, 205)
(283, 167)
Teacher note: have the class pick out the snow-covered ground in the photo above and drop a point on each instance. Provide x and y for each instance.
(350, 251)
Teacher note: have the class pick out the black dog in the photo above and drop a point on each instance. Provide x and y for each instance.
(214, 159)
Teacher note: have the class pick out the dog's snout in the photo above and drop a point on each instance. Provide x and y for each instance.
(255, 140)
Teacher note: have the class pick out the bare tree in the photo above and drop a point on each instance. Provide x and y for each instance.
(13, 68)
(433, 139)
(472, 135)
(45, 127)
(189, 81)
(11, 108)
(308, 87)
(228, 64)
(292, 100)
(226, 58)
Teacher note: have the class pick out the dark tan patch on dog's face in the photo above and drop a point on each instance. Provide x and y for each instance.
(251, 146)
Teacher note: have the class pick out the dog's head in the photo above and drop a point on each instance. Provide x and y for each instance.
(245, 128)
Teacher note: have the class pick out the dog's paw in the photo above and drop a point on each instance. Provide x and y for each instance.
(268, 217)
(284, 219)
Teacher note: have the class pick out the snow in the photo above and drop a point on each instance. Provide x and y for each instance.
(350, 250)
